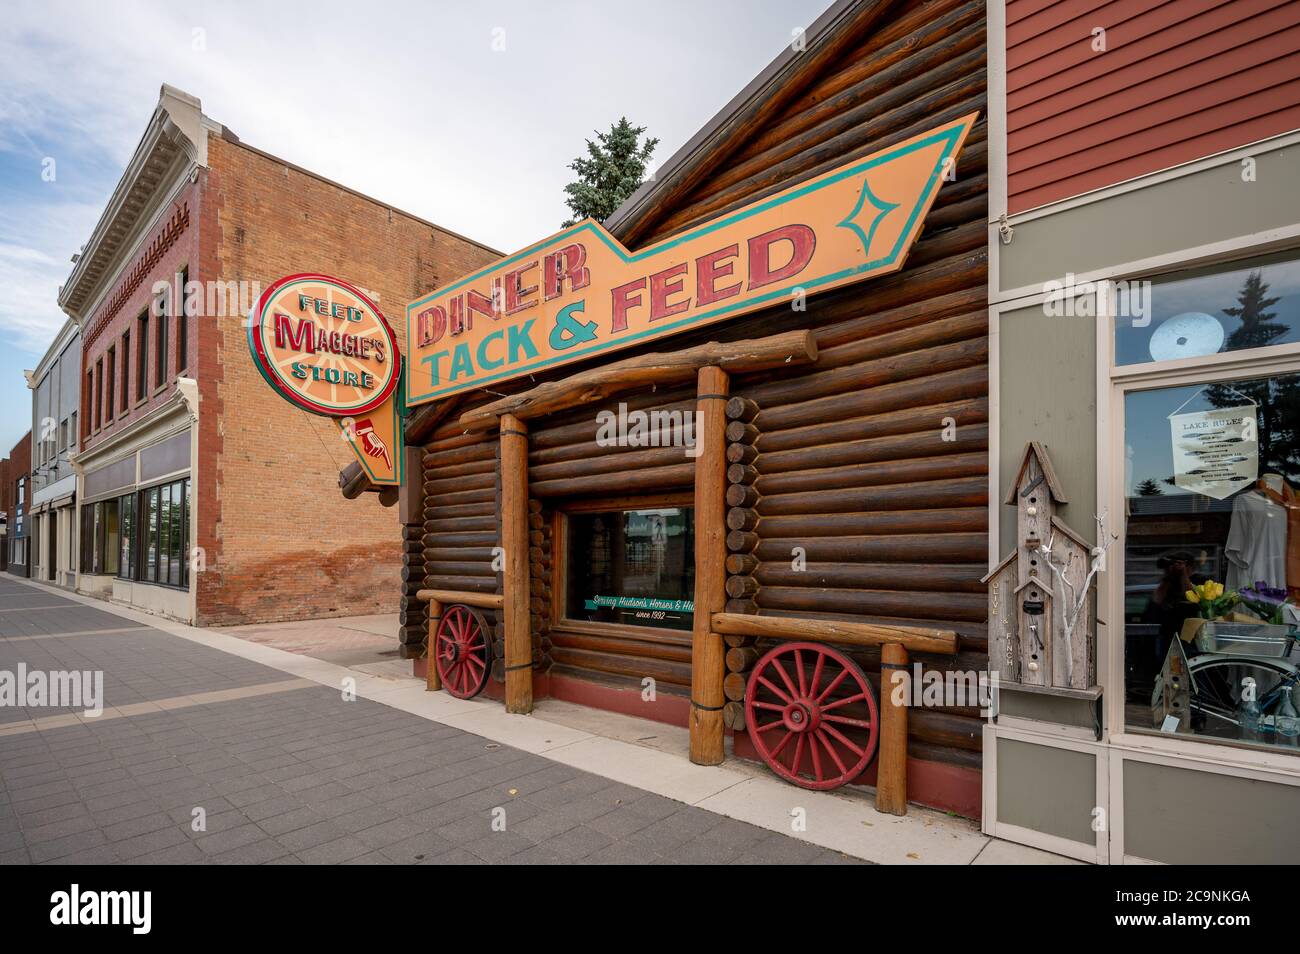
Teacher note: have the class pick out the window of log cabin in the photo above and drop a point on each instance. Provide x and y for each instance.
(629, 564)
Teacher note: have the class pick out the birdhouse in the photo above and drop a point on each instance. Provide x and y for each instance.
(1069, 560)
(1004, 652)
(1035, 493)
(1171, 701)
(1034, 616)
(1040, 606)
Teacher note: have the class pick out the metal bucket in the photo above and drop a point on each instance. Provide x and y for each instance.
(1265, 640)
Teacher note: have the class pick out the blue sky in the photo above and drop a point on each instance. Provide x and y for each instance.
(466, 113)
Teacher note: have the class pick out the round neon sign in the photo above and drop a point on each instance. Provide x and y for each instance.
(324, 345)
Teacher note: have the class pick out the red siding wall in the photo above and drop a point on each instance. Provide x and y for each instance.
(1177, 81)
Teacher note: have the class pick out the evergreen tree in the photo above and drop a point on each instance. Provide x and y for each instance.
(613, 169)
(1257, 326)
(1149, 488)
(1278, 398)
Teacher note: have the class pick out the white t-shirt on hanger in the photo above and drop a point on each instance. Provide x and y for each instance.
(1256, 547)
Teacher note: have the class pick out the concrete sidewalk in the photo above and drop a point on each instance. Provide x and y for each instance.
(263, 741)
(365, 643)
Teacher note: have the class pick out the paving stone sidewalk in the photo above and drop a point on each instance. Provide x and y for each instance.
(288, 772)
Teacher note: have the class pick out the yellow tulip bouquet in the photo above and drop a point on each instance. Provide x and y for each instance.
(1211, 599)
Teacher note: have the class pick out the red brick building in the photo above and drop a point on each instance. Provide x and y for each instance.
(15, 499)
(204, 496)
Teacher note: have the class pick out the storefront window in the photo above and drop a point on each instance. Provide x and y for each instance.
(162, 516)
(104, 539)
(88, 538)
(111, 545)
(164, 533)
(1212, 560)
(1251, 304)
(126, 514)
(149, 499)
(635, 567)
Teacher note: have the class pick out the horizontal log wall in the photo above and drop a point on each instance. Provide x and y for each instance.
(566, 463)
(859, 486)
(461, 515)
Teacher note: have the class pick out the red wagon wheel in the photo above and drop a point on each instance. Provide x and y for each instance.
(812, 715)
(463, 652)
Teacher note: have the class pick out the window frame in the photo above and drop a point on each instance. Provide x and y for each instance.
(182, 324)
(162, 309)
(127, 545)
(178, 526)
(125, 344)
(98, 395)
(1114, 383)
(560, 565)
(142, 356)
(110, 379)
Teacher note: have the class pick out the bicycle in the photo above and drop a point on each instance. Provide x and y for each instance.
(1217, 682)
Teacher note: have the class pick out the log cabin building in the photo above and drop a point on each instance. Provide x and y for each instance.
(855, 477)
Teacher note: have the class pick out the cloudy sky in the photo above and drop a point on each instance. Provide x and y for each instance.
(464, 113)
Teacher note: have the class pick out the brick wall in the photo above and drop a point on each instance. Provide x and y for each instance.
(19, 465)
(6, 481)
(281, 542)
(171, 246)
(13, 469)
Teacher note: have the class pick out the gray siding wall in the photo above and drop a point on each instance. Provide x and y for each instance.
(1046, 789)
(1181, 816)
(1186, 212)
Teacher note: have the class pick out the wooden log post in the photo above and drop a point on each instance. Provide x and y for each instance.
(891, 775)
(708, 652)
(432, 682)
(514, 540)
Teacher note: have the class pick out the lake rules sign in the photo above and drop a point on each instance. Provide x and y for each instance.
(1216, 453)
(325, 346)
(581, 293)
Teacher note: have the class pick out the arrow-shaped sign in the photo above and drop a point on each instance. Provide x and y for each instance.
(581, 293)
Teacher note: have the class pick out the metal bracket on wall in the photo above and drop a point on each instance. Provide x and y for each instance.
(1005, 231)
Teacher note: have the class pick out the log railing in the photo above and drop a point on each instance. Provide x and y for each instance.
(648, 370)
(895, 643)
(437, 599)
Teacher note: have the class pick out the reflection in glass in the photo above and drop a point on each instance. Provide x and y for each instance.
(1212, 559)
(151, 548)
(126, 507)
(632, 566)
(1250, 304)
(164, 524)
(112, 540)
